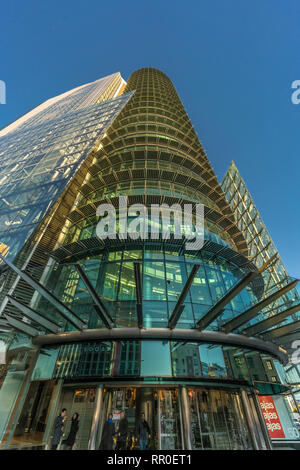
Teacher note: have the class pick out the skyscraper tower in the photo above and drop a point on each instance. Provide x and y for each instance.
(283, 312)
(141, 324)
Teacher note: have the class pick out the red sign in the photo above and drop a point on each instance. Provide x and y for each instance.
(116, 415)
(271, 416)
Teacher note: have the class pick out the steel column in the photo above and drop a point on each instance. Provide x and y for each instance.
(53, 412)
(262, 421)
(249, 419)
(96, 418)
(186, 418)
(139, 294)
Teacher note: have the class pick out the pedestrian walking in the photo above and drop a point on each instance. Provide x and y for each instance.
(143, 432)
(107, 434)
(122, 432)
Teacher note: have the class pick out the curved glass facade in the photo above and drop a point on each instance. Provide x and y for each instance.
(164, 274)
(164, 359)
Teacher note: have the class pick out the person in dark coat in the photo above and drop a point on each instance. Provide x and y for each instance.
(107, 434)
(122, 432)
(58, 429)
(143, 432)
(69, 442)
(42, 421)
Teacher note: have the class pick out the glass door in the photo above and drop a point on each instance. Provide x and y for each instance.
(169, 430)
(115, 401)
(203, 431)
(217, 420)
(161, 409)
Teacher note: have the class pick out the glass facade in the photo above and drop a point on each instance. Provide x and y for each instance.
(284, 311)
(260, 247)
(94, 322)
(158, 359)
(40, 156)
(164, 274)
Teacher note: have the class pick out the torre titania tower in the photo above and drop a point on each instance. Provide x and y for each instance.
(104, 324)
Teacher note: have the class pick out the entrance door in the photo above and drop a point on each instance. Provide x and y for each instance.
(117, 400)
(81, 401)
(217, 420)
(168, 420)
(161, 410)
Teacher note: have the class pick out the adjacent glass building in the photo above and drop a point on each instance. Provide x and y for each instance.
(261, 248)
(99, 326)
(283, 313)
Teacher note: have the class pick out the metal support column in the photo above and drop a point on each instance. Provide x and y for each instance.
(53, 412)
(181, 421)
(96, 418)
(158, 421)
(249, 419)
(139, 294)
(262, 421)
(186, 418)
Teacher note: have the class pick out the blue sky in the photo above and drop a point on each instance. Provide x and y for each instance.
(232, 62)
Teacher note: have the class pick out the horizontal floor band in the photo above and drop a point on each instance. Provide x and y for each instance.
(163, 334)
